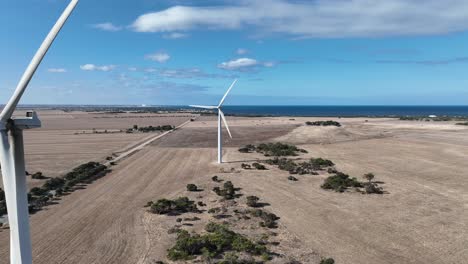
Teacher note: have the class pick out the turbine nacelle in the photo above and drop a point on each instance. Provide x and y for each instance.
(31, 120)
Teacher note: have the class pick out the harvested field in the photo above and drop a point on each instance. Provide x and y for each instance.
(60, 143)
(421, 218)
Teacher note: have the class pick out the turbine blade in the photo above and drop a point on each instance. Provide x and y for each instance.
(204, 106)
(225, 122)
(34, 64)
(224, 97)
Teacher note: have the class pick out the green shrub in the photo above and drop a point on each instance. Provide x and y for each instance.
(177, 206)
(228, 191)
(192, 187)
(369, 177)
(246, 166)
(218, 240)
(340, 182)
(323, 123)
(292, 178)
(372, 188)
(252, 201)
(86, 173)
(327, 261)
(38, 176)
(38, 191)
(248, 148)
(269, 219)
(258, 166)
(277, 149)
(320, 163)
(3, 208)
(216, 179)
(153, 128)
(309, 167)
(53, 183)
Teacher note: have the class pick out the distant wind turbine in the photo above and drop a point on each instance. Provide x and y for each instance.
(12, 153)
(220, 116)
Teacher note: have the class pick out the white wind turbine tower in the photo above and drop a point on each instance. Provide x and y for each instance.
(220, 116)
(12, 153)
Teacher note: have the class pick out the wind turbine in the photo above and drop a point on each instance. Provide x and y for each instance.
(220, 116)
(12, 153)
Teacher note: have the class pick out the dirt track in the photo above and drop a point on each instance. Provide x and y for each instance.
(422, 218)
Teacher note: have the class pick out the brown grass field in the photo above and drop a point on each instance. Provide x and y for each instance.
(420, 219)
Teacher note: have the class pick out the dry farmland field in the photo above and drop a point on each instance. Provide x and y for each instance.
(68, 139)
(420, 218)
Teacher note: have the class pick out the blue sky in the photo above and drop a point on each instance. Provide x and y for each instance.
(167, 52)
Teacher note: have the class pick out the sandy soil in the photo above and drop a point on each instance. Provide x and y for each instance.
(421, 218)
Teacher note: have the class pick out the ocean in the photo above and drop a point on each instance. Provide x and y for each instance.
(347, 111)
(292, 110)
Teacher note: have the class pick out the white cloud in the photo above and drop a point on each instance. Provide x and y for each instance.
(269, 64)
(92, 67)
(160, 57)
(175, 35)
(57, 70)
(242, 51)
(107, 27)
(132, 69)
(245, 64)
(238, 64)
(320, 18)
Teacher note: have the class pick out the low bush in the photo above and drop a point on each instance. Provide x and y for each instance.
(53, 183)
(192, 187)
(246, 166)
(3, 208)
(37, 191)
(278, 149)
(177, 206)
(252, 201)
(216, 179)
(320, 163)
(86, 173)
(372, 188)
(228, 192)
(327, 261)
(258, 166)
(292, 178)
(340, 182)
(38, 176)
(268, 219)
(462, 124)
(153, 128)
(283, 163)
(248, 148)
(309, 167)
(323, 123)
(218, 240)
